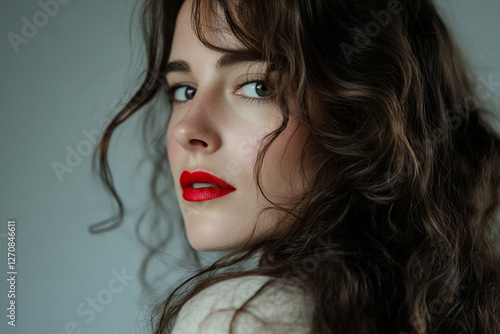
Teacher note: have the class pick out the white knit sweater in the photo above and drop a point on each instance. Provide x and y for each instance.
(281, 309)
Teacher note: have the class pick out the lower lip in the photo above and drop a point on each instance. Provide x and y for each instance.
(204, 194)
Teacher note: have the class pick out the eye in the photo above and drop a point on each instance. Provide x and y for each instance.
(255, 90)
(182, 93)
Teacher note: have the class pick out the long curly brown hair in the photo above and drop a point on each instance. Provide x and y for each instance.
(396, 232)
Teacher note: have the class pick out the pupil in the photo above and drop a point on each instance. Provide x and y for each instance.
(190, 93)
(262, 90)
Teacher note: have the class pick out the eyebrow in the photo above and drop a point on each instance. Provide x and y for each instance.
(224, 61)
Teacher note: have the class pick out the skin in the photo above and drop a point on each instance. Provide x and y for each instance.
(219, 130)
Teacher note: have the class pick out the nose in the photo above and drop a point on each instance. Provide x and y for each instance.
(197, 131)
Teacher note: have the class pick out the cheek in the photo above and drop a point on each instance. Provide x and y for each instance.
(282, 162)
(173, 148)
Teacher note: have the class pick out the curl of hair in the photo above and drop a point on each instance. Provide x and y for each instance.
(400, 215)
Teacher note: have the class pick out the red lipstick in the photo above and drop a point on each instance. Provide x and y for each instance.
(200, 186)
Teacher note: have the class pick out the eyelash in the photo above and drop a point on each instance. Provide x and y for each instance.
(257, 100)
(170, 91)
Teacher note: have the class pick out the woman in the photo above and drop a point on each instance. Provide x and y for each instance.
(339, 142)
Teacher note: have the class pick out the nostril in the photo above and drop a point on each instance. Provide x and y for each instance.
(198, 142)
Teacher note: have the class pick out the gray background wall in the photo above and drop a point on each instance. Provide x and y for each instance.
(63, 82)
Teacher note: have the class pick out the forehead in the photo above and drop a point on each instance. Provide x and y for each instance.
(213, 27)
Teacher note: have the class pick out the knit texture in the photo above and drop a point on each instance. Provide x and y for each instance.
(280, 308)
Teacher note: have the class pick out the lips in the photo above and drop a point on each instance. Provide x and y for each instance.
(200, 186)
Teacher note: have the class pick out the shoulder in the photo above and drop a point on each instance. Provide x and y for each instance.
(278, 307)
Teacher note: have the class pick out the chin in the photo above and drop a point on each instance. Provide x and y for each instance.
(204, 246)
(206, 242)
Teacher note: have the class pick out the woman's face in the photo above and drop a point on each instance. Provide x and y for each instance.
(221, 111)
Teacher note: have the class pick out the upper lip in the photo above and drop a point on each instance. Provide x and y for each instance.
(199, 176)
